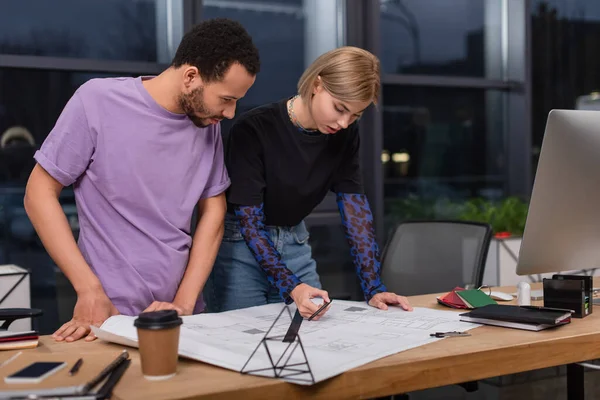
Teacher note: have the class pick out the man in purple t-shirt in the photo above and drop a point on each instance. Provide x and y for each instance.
(141, 153)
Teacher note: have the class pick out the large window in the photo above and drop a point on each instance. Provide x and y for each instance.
(439, 37)
(30, 103)
(98, 29)
(453, 112)
(48, 50)
(443, 142)
(440, 145)
(289, 36)
(565, 60)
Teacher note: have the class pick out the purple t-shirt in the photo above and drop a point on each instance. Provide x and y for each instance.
(137, 171)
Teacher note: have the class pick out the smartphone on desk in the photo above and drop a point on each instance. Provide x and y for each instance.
(35, 372)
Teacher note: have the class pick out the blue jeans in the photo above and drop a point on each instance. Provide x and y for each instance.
(238, 281)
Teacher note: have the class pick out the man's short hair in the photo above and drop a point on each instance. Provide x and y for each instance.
(214, 45)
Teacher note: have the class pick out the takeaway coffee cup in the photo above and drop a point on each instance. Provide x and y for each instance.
(158, 336)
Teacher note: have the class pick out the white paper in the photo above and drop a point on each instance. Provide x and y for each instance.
(350, 334)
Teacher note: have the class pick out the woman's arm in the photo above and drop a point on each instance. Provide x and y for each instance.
(260, 244)
(357, 220)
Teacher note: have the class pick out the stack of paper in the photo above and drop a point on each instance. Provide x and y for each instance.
(10, 340)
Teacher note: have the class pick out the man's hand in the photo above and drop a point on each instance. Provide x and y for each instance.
(381, 301)
(92, 308)
(302, 295)
(163, 305)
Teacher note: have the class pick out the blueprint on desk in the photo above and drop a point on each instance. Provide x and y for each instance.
(350, 334)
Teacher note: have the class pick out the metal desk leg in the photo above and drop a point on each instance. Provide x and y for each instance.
(575, 383)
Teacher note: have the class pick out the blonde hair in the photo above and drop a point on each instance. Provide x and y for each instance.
(347, 73)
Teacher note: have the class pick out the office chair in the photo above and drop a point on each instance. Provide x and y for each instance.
(423, 257)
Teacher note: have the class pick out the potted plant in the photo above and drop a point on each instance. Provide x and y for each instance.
(506, 217)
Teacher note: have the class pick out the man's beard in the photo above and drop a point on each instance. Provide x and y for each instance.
(193, 103)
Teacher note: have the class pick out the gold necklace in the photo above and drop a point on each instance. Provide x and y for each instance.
(293, 117)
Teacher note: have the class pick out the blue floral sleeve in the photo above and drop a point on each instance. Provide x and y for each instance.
(357, 220)
(257, 238)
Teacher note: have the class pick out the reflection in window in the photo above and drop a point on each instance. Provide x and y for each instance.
(30, 103)
(442, 144)
(100, 29)
(440, 37)
(281, 31)
(565, 39)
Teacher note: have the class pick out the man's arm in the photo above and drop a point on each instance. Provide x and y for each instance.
(49, 220)
(205, 245)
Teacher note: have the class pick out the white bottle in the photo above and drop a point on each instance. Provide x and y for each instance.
(524, 294)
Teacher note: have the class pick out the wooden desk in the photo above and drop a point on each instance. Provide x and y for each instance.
(489, 352)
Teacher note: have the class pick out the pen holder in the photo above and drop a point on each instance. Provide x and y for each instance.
(570, 292)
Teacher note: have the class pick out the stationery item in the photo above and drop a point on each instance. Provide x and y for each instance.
(85, 383)
(562, 292)
(542, 308)
(452, 300)
(475, 298)
(569, 294)
(7, 361)
(509, 324)
(449, 334)
(325, 304)
(529, 318)
(158, 334)
(76, 367)
(105, 392)
(106, 371)
(11, 340)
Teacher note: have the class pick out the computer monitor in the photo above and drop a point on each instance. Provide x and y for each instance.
(562, 231)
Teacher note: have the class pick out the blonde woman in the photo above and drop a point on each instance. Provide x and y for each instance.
(283, 158)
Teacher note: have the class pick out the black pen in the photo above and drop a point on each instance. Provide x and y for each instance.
(76, 367)
(319, 310)
(106, 371)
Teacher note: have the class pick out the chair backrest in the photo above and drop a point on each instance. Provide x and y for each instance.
(424, 257)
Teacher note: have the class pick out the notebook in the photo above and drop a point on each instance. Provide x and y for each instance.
(10, 340)
(508, 324)
(530, 318)
(451, 299)
(475, 298)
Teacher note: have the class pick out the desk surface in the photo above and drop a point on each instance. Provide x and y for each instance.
(489, 352)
